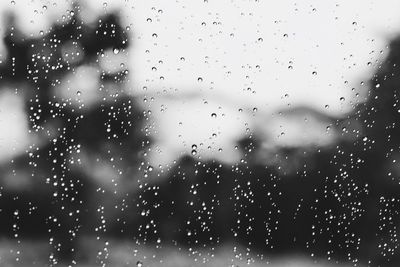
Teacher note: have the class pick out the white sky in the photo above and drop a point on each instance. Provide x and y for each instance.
(273, 49)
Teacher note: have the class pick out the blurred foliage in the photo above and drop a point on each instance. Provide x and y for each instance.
(340, 202)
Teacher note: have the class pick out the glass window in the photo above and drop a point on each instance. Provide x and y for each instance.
(199, 133)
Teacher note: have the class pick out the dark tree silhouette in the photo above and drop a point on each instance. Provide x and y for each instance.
(340, 202)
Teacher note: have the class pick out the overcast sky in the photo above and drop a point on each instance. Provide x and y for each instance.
(241, 60)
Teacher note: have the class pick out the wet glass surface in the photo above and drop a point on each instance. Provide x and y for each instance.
(199, 133)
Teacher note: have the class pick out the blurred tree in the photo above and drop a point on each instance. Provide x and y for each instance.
(338, 202)
(64, 199)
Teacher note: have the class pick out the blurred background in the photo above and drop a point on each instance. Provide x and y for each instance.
(199, 133)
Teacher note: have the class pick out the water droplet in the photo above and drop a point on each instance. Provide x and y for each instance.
(314, 73)
(139, 264)
(213, 115)
(116, 51)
